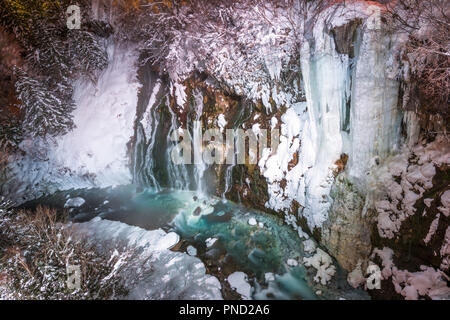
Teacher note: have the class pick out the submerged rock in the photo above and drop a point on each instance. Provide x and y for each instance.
(197, 211)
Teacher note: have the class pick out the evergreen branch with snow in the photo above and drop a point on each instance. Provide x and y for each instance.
(45, 112)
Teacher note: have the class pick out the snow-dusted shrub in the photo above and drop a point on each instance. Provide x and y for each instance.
(35, 250)
(426, 55)
(10, 133)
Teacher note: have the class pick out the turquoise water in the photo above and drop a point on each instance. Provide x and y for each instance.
(254, 249)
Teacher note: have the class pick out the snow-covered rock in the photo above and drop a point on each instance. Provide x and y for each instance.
(356, 277)
(252, 222)
(191, 251)
(239, 282)
(221, 122)
(94, 154)
(74, 202)
(309, 246)
(168, 241)
(210, 242)
(323, 263)
(413, 285)
(292, 262)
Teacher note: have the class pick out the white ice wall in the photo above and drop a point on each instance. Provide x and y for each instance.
(330, 81)
(375, 117)
(325, 77)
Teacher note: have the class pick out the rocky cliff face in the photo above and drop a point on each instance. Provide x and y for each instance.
(351, 168)
(337, 134)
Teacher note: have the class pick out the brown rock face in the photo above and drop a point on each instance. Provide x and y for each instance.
(346, 234)
(344, 37)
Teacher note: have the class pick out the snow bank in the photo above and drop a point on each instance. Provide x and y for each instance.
(153, 272)
(413, 285)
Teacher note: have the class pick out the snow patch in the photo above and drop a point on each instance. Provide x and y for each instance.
(153, 271)
(323, 263)
(413, 285)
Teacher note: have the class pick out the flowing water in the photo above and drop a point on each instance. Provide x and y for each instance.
(221, 233)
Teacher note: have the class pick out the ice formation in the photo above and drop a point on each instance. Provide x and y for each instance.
(350, 108)
(95, 152)
(309, 246)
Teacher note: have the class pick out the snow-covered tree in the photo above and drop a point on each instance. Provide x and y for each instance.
(86, 52)
(10, 133)
(55, 56)
(45, 112)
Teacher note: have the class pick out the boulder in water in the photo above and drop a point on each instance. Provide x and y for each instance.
(197, 211)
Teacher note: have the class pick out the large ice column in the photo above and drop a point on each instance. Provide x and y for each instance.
(326, 84)
(375, 119)
(349, 74)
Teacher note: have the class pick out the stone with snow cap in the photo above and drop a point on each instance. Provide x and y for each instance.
(238, 281)
(74, 202)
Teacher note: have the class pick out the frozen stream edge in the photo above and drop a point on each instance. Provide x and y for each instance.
(152, 271)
